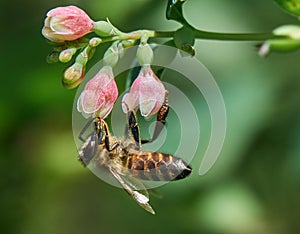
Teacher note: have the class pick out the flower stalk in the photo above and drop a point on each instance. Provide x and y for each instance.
(66, 28)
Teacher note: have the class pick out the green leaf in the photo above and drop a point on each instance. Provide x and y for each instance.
(174, 11)
(291, 6)
(184, 39)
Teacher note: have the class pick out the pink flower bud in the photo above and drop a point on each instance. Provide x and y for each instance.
(66, 55)
(73, 76)
(99, 94)
(147, 92)
(66, 24)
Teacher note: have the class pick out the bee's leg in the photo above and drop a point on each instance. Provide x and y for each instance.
(160, 121)
(134, 128)
(106, 138)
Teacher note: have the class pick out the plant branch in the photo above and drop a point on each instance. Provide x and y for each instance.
(200, 34)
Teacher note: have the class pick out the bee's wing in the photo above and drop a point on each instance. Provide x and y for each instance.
(87, 150)
(155, 193)
(133, 188)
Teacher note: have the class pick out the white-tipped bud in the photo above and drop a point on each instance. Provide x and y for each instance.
(95, 41)
(66, 55)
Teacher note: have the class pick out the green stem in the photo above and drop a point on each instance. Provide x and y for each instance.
(199, 34)
(233, 36)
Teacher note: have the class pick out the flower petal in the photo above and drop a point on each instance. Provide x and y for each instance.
(99, 94)
(146, 106)
(129, 102)
(152, 93)
(92, 101)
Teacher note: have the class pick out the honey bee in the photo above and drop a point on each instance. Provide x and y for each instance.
(124, 160)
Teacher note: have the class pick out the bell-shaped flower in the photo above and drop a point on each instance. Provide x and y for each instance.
(147, 92)
(99, 95)
(66, 24)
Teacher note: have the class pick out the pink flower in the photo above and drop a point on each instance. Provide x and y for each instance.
(147, 92)
(66, 24)
(99, 94)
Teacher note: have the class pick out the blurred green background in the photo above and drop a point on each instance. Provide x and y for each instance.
(253, 188)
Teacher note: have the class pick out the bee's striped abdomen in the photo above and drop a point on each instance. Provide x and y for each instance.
(156, 166)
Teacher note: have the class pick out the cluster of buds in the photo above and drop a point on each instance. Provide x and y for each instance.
(66, 28)
(74, 74)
